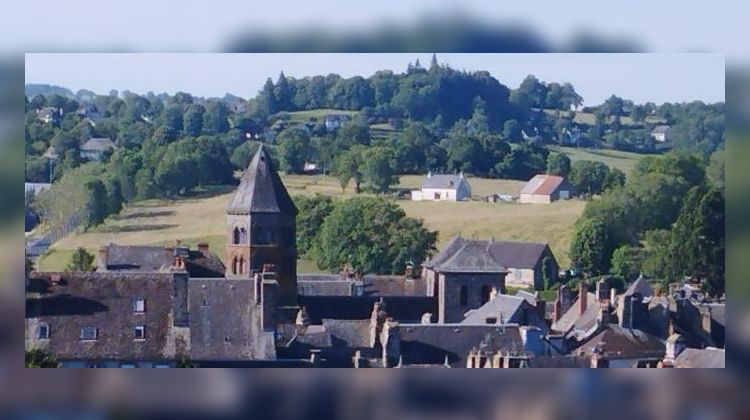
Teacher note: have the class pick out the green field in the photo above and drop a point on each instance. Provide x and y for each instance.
(625, 161)
(161, 222)
(304, 116)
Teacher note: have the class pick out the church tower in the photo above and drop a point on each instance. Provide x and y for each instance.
(261, 227)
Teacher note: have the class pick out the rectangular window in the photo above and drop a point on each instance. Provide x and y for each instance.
(139, 332)
(139, 305)
(89, 332)
(463, 295)
(96, 365)
(437, 196)
(42, 331)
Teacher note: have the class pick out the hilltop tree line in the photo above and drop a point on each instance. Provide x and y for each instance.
(666, 221)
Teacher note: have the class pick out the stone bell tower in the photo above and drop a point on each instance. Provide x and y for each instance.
(261, 228)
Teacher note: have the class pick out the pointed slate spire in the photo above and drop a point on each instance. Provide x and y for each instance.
(261, 189)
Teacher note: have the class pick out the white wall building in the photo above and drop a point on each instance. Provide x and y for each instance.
(442, 188)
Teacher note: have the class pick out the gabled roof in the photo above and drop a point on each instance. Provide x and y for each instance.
(261, 189)
(471, 255)
(542, 184)
(98, 144)
(641, 286)
(146, 258)
(503, 308)
(615, 342)
(443, 182)
(572, 318)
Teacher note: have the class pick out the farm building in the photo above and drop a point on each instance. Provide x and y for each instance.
(659, 133)
(95, 148)
(546, 189)
(442, 188)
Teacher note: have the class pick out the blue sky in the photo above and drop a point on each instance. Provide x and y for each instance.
(641, 77)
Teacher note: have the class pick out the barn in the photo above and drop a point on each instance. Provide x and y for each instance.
(546, 189)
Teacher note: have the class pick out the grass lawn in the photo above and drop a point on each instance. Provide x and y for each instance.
(161, 222)
(625, 161)
(304, 116)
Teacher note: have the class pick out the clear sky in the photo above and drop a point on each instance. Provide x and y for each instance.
(640, 77)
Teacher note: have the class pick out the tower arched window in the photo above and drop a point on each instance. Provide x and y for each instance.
(234, 265)
(236, 236)
(242, 265)
(243, 236)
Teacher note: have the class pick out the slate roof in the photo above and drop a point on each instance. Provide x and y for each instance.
(542, 184)
(430, 343)
(442, 181)
(558, 362)
(352, 333)
(641, 286)
(572, 318)
(372, 285)
(471, 255)
(401, 308)
(104, 301)
(660, 129)
(225, 321)
(98, 144)
(615, 342)
(504, 308)
(700, 358)
(156, 259)
(261, 189)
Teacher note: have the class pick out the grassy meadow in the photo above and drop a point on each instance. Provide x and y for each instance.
(625, 161)
(192, 220)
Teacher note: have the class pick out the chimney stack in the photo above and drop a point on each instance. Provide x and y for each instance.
(203, 247)
(705, 312)
(602, 291)
(103, 258)
(582, 296)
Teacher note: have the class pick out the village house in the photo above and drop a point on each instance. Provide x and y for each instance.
(546, 189)
(95, 148)
(335, 121)
(659, 133)
(49, 115)
(522, 262)
(439, 187)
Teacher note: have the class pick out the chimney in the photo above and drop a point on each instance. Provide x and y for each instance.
(409, 272)
(566, 298)
(103, 257)
(429, 174)
(557, 314)
(582, 296)
(203, 247)
(169, 256)
(612, 295)
(426, 318)
(55, 279)
(377, 319)
(602, 291)
(705, 312)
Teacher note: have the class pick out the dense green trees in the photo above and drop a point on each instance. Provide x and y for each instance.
(38, 358)
(558, 164)
(294, 149)
(312, 212)
(373, 235)
(81, 260)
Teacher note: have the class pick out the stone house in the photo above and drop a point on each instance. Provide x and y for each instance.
(442, 188)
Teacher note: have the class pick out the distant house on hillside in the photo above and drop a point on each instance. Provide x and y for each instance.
(336, 121)
(546, 189)
(49, 114)
(95, 148)
(442, 188)
(659, 133)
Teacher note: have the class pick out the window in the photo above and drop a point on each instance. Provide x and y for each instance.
(491, 320)
(463, 295)
(437, 196)
(139, 332)
(128, 365)
(236, 236)
(42, 331)
(205, 302)
(139, 305)
(96, 365)
(161, 366)
(89, 332)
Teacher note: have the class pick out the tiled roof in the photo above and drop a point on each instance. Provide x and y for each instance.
(98, 144)
(494, 256)
(158, 258)
(504, 308)
(700, 358)
(261, 189)
(572, 318)
(615, 342)
(105, 302)
(542, 184)
(430, 343)
(441, 181)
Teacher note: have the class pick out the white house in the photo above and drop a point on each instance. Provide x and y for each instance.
(95, 148)
(442, 188)
(659, 133)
